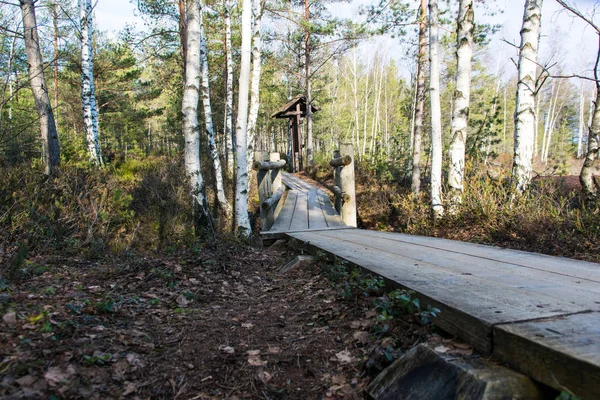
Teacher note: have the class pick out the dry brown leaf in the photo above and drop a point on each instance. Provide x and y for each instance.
(226, 349)
(56, 375)
(264, 376)
(361, 337)
(344, 357)
(10, 319)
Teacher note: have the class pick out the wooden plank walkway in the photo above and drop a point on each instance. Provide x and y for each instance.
(537, 313)
(305, 208)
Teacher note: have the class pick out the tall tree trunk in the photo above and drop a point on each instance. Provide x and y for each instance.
(525, 99)
(462, 95)
(88, 96)
(189, 109)
(355, 133)
(257, 11)
(182, 31)
(581, 121)
(48, 132)
(420, 99)
(309, 113)
(436, 113)
(228, 90)
(55, 61)
(208, 121)
(241, 189)
(586, 177)
(364, 148)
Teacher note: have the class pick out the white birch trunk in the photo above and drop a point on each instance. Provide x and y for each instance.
(364, 148)
(48, 132)
(189, 108)
(593, 146)
(241, 187)
(257, 11)
(208, 121)
(229, 91)
(525, 99)
(88, 96)
(436, 114)
(462, 95)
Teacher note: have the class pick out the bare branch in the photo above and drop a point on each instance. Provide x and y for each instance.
(579, 14)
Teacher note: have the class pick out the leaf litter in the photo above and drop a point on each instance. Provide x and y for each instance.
(221, 323)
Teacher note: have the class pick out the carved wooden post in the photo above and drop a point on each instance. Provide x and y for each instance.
(336, 182)
(263, 178)
(275, 184)
(348, 186)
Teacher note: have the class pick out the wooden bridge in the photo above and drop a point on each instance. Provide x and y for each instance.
(538, 314)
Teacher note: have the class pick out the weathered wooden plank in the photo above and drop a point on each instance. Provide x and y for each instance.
(561, 352)
(316, 219)
(332, 218)
(296, 183)
(269, 235)
(284, 219)
(300, 218)
(556, 265)
(531, 281)
(470, 305)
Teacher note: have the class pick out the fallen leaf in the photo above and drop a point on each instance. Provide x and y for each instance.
(387, 343)
(441, 349)
(344, 357)
(338, 379)
(264, 376)
(56, 375)
(462, 346)
(274, 350)
(26, 381)
(247, 325)
(130, 387)
(254, 358)
(10, 319)
(182, 301)
(226, 349)
(361, 337)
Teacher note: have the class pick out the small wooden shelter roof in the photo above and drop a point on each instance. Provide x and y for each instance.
(290, 107)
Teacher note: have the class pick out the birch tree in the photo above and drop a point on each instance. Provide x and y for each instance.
(461, 99)
(525, 98)
(586, 177)
(228, 131)
(257, 12)
(241, 183)
(419, 99)
(208, 121)
(189, 109)
(48, 131)
(436, 113)
(88, 95)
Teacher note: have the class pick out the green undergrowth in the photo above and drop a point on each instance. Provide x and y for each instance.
(137, 205)
(551, 217)
(355, 285)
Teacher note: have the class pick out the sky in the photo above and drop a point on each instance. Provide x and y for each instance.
(577, 53)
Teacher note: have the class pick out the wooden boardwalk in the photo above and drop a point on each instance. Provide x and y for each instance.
(305, 208)
(537, 313)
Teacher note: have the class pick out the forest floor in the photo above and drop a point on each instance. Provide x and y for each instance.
(220, 323)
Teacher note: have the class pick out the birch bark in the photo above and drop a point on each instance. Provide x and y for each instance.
(48, 132)
(436, 114)
(462, 95)
(241, 189)
(189, 109)
(420, 99)
(88, 96)
(525, 99)
(208, 121)
(228, 91)
(581, 121)
(257, 11)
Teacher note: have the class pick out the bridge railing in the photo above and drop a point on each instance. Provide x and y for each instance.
(270, 187)
(344, 187)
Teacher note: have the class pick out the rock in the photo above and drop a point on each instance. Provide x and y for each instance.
(424, 374)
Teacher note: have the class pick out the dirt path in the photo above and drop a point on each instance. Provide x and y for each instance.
(217, 324)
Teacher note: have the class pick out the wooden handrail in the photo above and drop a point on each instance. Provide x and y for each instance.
(341, 161)
(267, 165)
(272, 201)
(338, 192)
